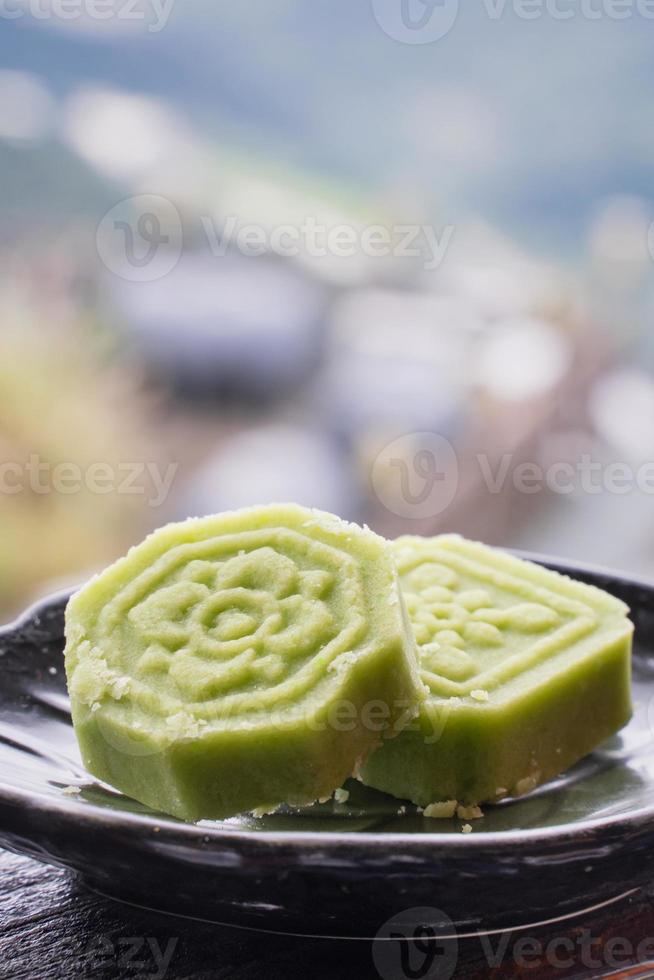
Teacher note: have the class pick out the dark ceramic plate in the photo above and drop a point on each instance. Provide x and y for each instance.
(583, 840)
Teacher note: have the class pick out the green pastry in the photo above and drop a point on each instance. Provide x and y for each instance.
(229, 663)
(527, 671)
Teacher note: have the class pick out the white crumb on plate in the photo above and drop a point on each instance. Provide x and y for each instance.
(466, 829)
(71, 790)
(52, 670)
(341, 795)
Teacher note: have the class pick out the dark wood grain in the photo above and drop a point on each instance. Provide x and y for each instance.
(52, 927)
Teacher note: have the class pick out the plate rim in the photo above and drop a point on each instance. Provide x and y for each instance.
(335, 840)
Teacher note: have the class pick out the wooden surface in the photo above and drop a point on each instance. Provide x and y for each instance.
(52, 927)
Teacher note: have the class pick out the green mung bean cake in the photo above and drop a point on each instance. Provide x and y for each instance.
(230, 663)
(527, 672)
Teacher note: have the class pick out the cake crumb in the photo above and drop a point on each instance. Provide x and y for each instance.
(265, 811)
(469, 812)
(479, 695)
(466, 829)
(71, 790)
(501, 791)
(441, 811)
(52, 670)
(526, 785)
(119, 688)
(341, 795)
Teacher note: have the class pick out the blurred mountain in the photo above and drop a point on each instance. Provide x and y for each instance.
(525, 122)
